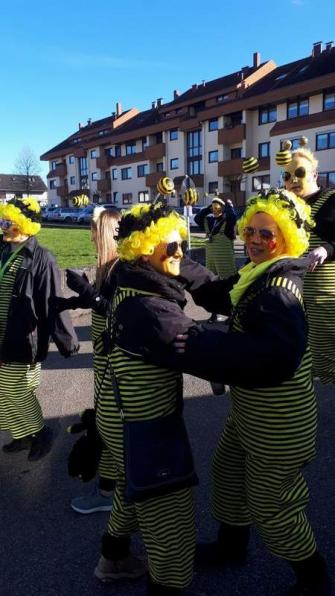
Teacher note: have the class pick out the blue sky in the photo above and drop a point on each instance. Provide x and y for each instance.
(66, 61)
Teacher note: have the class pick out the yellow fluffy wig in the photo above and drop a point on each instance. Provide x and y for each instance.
(24, 213)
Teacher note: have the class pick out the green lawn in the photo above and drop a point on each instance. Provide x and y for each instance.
(73, 248)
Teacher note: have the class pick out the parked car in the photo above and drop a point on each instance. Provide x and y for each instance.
(47, 212)
(65, 214)
(85, 214)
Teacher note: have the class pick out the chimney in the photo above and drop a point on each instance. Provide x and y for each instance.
(256, 59)
(317, 49)
(89, 121)
(118, 109)
(80, 125)
(176, 93)
(153, 105)
(329, 46)
(203, 82)
(159, 101)
(195, 86)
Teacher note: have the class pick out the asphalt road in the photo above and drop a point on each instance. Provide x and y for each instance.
(46, 549)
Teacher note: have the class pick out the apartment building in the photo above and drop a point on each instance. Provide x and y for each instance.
(204, 132)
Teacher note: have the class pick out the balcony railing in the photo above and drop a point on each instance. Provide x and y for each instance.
(152, 179)
(155, 151)
(229, 136)
(60, 170)
(230, 167)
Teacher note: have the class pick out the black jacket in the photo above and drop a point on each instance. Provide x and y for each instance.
(266, 353)
(325, 220)
(32, 316)
(227, 219)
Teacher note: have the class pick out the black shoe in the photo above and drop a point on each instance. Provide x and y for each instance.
(312, 577)
(230, 548)
(17, 445)
(41, 444)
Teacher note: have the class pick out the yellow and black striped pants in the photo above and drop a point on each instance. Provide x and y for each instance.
(20, 411)
(270, 493)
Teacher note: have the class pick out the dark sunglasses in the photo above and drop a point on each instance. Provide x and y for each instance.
(5, 224)
(264, 234)
(299, 173)
(172, 247)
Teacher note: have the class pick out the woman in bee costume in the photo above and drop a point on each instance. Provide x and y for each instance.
(300, 176)
(218, 221)
(150, 287)
(29, 288)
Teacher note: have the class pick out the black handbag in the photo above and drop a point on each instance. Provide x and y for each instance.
(157, 454)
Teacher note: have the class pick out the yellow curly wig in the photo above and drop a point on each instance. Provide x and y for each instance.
(13, 212)
(291, 214)
(151, 230)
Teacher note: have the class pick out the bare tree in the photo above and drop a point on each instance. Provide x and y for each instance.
(27, 165)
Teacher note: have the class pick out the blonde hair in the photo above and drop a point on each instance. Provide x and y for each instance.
(291, 214)
(105, 227)
(306, 154)
(144, 227)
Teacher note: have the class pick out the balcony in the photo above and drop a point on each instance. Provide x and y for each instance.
(264, 163)
(230, 167)
(104, 185)
(104, 162)
(152, 179)
(229, 136)
(155, 151)
(80, 152)
(62, 191)
(60, 170)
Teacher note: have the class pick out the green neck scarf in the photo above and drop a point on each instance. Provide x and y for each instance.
(248, 274)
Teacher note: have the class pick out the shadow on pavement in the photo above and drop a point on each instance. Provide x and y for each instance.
(49, 550)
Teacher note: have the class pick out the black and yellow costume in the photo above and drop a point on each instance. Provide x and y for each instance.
(220, 232)
(29, 288)
(319, 287)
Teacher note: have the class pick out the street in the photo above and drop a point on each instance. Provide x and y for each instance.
(49, 550)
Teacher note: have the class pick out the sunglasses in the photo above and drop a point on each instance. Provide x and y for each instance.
(264, 234)
(5, 224)
(172, 247)
(299, 173)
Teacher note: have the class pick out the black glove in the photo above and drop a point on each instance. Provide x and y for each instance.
(67, 303)
(78, 282)
(72, 352)
(84, 457)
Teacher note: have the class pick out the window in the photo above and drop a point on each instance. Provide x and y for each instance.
(72, 180)
(213, 156)
(52, 184)
(144, 143)
(127, 198)
(143, 196)
(94, 176)
(295, 144)
(325, 141)
(213, 187)
(71, 158)
(266, 115)
(131, 148)
(142, 170)
(326, 179)
(174, 134)
(116, 197)
(194, 152)
(297, 108)
(126, 173)
(54, 165)
(114, 173)
(109, 152)
(261, 182)
(174, 163)
(159, 137)
(83, 172)
(221, 98)
(107, 174)
(93, 154)
(236, 153)
(329, 101)
(263, 150)
(213, 124)
(117, 151)
(159, 166)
